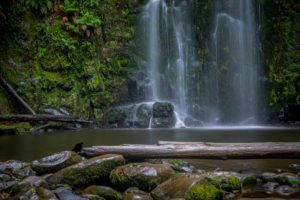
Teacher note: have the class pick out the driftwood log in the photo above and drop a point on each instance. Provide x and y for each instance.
(37, 118)
(219, 151)
(14, 94)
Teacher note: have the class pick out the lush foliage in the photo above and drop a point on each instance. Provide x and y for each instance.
(282, 51)
(71, 54)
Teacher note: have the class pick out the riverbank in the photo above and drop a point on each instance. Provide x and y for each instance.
(68, 175)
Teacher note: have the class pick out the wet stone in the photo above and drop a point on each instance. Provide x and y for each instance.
(270, 187)
(103, 191)
(145, 176)
(91, 171)
(286, 190)
(136, 194)
(176, 187)
(13, 165)
(65, 194)
(55, 162)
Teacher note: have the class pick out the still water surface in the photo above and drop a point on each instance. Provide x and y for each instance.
(32, 147)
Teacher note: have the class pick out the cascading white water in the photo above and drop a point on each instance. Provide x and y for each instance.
(235, 42)
(168, 45)
(223, 92)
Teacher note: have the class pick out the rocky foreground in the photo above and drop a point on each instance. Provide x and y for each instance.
(69, 176)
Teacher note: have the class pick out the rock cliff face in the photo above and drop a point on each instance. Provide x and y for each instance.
(79, 55)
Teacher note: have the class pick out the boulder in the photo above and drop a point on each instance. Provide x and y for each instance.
(103, 191)
(175, 187)
(143, 116)
(95, 170)
(144, 176)
(13, 165)
(163, 115)
(282, 179)
(287, 191)
(17, 168)
(55, 162)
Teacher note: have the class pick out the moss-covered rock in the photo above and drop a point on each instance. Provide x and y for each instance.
(144, 176)
(29, 183)
(15, 129)
(204, 191)
(95, 170)
(163, 115)
(175, 187)
(228, 183)
(282, 179)
(55, 162)
(249, 180)
(103, 191)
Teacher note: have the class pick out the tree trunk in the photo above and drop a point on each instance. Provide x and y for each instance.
(12, 92)
(202, 151)
(33, 118)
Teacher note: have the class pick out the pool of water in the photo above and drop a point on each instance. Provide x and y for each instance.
(32, 147)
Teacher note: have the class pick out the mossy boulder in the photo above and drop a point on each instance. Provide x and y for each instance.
(249, 180)
(204, 191)
(143, 116)
(282, 179)
(145, 176)
(91, 171)
(163, 115)
(227, 183)
(15, 129)
(103, 191)
(175, 187)
(55, 162)
(136, 194)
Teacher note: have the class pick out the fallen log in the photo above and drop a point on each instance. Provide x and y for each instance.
(36, 118)
(13, 93)
(218, 151)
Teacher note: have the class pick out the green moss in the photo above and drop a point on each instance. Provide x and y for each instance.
(106, 192)
(95, 170)
(204, 191)
(71, 57)
(249, 180)
(145, 176)
(295, 182)
(176, 162)
(226, 183)
(15, 129)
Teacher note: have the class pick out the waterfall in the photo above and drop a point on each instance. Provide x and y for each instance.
(222, 92)
(235, 43)
(169, 51)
